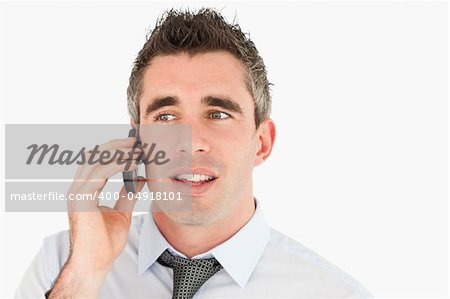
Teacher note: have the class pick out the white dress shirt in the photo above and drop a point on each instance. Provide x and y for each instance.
(258, 262)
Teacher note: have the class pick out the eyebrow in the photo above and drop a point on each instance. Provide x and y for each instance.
(227, 104)
(224, 103)
(161, 102)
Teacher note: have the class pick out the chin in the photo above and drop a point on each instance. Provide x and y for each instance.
(194, 217)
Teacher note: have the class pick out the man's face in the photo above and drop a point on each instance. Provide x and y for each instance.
(207, 92)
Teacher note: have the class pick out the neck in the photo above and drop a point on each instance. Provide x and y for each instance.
(192, 240)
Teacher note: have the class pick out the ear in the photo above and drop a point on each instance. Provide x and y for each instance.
(266, 134)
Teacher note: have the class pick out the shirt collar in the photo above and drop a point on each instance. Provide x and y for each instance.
(238, 255)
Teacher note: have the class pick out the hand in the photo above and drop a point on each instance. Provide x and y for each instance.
(97, 234)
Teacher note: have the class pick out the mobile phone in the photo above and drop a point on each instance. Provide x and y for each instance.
(130, 177)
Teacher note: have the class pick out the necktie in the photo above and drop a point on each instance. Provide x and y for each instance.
(188, 275)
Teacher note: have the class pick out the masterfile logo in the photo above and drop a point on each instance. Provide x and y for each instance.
(43, 160)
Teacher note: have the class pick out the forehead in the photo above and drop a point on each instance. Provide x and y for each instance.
(205, 74)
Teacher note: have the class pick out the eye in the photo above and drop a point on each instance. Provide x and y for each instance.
(164, 117)
(219, 115)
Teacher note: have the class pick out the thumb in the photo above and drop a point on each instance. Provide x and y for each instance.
(126, 202)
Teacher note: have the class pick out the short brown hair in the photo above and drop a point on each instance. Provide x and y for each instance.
(198, 32)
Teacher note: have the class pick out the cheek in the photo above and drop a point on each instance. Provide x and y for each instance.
(234, 143)
(242, 154)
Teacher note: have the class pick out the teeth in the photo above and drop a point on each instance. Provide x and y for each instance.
(194, 177)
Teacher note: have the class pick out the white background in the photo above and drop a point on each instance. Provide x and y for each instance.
(359, 169)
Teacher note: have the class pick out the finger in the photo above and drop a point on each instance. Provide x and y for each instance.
(109, 146)
(102, 173)
(127, 201)
(113, 154)
(90, 190)
(109, 156)
(85, 193)
(117, 143)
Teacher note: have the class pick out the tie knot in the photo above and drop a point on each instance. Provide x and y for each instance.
(188, 275)
(169, 260)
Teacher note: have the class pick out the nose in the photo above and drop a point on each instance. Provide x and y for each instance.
(198, 139)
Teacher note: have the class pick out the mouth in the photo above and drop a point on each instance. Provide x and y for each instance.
(195, 182)
(194, 179)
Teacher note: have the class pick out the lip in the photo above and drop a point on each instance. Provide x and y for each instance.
(197, 170)
(193, 189)
(190, 189)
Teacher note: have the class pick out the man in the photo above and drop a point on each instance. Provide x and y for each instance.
(198, 70)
